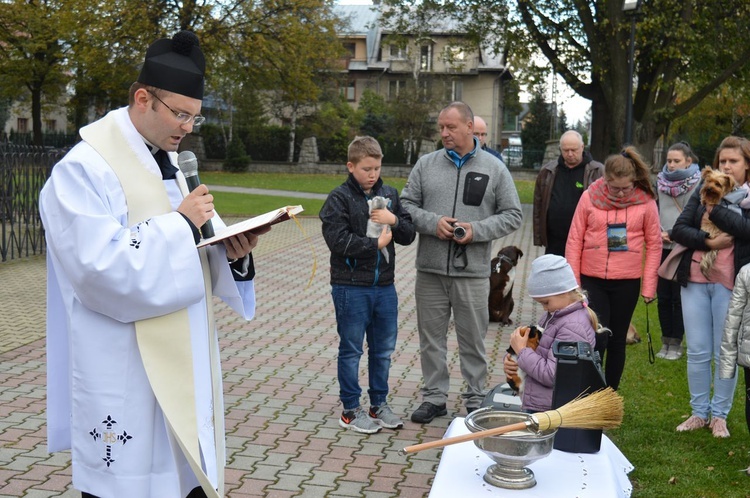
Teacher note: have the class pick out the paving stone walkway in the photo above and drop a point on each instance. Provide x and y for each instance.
(280, 387)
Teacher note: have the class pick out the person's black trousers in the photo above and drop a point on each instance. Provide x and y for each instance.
(196, 493)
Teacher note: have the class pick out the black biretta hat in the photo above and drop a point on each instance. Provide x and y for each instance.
(175, 65)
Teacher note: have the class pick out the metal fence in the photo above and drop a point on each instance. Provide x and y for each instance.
(23, 171)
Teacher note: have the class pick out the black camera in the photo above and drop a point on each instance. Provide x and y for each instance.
(459, 232)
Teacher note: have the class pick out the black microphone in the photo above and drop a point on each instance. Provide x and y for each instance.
(189, 166)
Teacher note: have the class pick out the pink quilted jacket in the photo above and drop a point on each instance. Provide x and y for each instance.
(587, 250)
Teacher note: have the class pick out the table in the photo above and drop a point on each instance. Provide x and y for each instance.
(560, 475)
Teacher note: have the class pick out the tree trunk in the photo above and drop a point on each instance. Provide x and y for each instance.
(292, 133)
(601, 129)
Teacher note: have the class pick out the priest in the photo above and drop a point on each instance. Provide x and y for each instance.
(134, 380)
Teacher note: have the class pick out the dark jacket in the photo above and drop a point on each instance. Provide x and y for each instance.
(543, 191)
(355, 258)
(687, 232)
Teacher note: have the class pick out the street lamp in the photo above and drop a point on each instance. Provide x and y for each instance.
(631, 8)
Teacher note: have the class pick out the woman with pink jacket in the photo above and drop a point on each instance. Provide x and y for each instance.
(616, 219)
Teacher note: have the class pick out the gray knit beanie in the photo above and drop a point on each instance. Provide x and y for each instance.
(550, 275)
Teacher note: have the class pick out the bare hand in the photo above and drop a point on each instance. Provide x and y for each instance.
(721, 241)
(518, 341)
(242, 244)
(466, 239)
(648, 300)
(445, 228)
(198, 206)
(665, 237)
(385, 237)
(510, 367)
(383, 216)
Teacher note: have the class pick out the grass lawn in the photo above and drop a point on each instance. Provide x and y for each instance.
(667, 463)
(231, 204)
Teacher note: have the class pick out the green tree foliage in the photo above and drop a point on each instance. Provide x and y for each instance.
(334, 125)
(536, 131)
(586, 43)
(282, 48)
(725, 112)
(31, 55)
(237, 158)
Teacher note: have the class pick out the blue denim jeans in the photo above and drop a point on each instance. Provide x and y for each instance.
(704, 308)
(365, 313)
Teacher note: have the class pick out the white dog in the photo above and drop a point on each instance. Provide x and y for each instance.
(374, 229)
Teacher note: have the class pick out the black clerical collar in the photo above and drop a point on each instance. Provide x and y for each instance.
(168, 170)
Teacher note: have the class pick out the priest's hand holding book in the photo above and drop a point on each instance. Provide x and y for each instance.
(240, 245)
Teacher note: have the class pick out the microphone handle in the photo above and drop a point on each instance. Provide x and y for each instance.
(207, 230)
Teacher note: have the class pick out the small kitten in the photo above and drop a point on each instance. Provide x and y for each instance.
(374, 229)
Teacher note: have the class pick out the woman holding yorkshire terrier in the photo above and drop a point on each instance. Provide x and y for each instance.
(616, 219)
(706, 292)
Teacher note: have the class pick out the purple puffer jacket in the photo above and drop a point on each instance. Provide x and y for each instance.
(568, 324)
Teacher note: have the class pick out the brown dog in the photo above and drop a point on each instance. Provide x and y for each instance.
(715, 186)
(535, 335)
(502, 277)
(633, 337)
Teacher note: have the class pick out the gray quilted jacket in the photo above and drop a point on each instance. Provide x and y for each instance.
(735, 345)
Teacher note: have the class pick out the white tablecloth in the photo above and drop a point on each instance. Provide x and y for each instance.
(560, 475)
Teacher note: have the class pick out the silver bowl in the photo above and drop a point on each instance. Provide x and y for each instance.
(513, 451)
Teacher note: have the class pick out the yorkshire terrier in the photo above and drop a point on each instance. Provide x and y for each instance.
(535, 335)
(715, 186)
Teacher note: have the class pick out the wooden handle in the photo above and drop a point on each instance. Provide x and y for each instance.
(466, 437)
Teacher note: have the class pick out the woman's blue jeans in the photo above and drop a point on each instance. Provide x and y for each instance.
(365, 313)
(704, 308)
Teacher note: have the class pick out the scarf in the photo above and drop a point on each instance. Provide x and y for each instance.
(677, 182)
(602, 198)
(745, 200)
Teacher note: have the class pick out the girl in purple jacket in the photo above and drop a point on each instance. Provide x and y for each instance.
(567, 317)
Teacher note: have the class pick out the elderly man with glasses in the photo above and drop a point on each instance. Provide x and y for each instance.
(558, 188)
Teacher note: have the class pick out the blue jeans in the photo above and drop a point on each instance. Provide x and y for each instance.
(704, 308)
(371, 313)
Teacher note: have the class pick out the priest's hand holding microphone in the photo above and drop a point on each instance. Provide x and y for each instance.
(198, 207)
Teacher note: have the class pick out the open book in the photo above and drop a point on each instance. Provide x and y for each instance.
(264, 220)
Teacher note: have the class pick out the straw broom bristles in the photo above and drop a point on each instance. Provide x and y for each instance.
(602, 409)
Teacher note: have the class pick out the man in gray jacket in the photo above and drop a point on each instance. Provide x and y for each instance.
(460, 199)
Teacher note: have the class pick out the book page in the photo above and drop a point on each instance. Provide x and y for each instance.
(263, 220)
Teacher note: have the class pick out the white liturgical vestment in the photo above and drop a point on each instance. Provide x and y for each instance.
(104, 275)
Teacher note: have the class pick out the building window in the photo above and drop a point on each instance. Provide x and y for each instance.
(454, 91)
(425, 58)
(350, 91)
(454, 55)
(510, 121)
(395, 86)
(22, 125)
(350, 50)
(50, 125)
(397, 52)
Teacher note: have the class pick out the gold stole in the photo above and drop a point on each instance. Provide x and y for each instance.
(164, 341)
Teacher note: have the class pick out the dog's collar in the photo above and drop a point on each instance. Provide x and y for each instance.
(501, 257)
